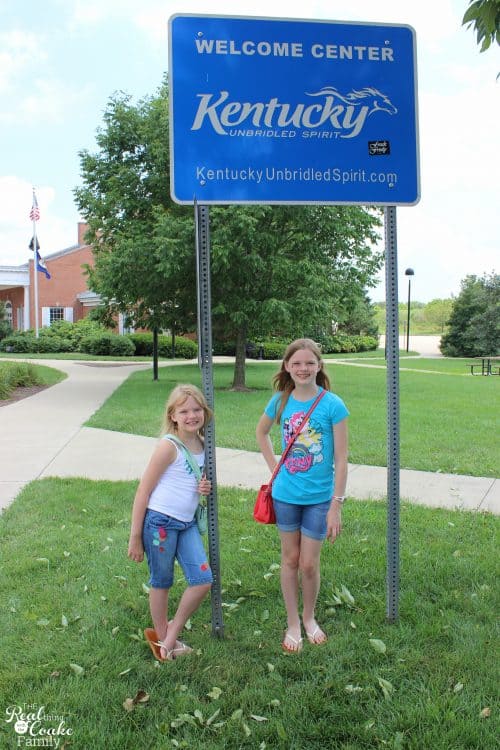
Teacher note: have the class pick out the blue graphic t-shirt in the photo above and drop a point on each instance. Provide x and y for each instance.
(307, 476)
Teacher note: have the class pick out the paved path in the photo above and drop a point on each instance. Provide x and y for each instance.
(426, 346)
(43, 436)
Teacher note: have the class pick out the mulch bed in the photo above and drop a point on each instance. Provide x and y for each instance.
(22, 392)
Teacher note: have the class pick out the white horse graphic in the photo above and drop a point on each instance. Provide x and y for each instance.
(368, 97)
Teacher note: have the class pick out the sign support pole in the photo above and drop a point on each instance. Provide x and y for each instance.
(392, 348)
(202, 226)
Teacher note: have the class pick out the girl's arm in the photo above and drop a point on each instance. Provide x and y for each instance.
(263, 439)
(334, 517)
(162, 457)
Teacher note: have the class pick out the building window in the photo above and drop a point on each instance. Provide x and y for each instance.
(56, 313)
(8, 313)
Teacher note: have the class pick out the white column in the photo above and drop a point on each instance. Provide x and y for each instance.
(26, 322)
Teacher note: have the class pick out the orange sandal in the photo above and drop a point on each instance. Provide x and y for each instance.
(154, 643)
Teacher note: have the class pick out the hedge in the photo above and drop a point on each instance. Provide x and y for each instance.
(184, 347)
(90, 337)
(343, 343)
(339, 344)
(108, 343)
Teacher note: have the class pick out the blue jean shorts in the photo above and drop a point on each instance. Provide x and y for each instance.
(310, 520)
(167, 539)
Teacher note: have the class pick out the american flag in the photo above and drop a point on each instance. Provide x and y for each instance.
(35, 211)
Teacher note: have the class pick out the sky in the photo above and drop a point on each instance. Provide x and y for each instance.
(62, 60)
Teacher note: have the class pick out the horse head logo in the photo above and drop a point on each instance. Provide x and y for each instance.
(373, 98)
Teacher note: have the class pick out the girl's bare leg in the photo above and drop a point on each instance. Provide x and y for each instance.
(310, 551)
(158, 605)
(189, 603)
(290, 554)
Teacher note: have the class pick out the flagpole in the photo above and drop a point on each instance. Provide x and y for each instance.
(35, 269)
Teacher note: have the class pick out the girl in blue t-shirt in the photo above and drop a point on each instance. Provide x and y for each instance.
(309, 489)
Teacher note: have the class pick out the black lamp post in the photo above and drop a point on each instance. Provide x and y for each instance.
(409, 272)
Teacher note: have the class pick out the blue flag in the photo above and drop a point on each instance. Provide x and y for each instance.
(40, 265)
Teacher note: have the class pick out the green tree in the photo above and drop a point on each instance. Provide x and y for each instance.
(474, 324)
(285, 268)
(437, 312)
(484, 17)
(360, 317)
(139, 237)
(379, 311)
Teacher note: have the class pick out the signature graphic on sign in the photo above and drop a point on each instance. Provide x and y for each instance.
(379, 148)
(345, 113)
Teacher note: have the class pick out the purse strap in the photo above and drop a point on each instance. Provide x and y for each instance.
(295, 436)
(188, 455)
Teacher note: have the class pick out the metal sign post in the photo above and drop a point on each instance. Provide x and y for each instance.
(205, 361)
(392, 344)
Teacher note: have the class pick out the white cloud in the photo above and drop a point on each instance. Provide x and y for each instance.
(20, 51)
(51, 100)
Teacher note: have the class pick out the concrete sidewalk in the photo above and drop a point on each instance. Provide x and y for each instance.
(42, 436)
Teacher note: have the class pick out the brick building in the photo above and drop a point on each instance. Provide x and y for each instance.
(64, 296)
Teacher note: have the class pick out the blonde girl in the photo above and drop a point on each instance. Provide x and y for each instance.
(163, 524)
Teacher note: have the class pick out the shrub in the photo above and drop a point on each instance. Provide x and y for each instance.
(343, 343)
(184, 348)
(105, 343)
(14, 375)
(143, 342)
(22, 342)
(273, 349)
(224, 348)
(5, 329)
(49, 344)
(76, 332)
(98, 343)
(121, 346)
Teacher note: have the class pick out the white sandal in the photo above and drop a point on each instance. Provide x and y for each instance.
(297, 643)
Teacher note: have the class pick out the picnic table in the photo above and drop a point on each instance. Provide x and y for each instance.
(486, 366)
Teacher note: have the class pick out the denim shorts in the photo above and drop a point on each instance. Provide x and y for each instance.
(167, 539)
(309, 519)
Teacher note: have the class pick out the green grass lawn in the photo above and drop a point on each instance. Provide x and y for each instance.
(448, 418)
(74, 608)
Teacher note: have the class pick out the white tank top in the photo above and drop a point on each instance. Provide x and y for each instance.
(176, 492)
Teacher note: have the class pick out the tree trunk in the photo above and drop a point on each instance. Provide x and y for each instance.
(155, 353)
(239, 364)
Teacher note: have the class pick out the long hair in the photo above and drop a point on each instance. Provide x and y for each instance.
(283, 382)
(177, 397)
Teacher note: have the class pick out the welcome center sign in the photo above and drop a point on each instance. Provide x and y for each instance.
(292, 111)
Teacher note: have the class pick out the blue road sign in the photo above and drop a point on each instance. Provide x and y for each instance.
(292, 111)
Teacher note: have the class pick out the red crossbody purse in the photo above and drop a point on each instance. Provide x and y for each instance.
(263, 511)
